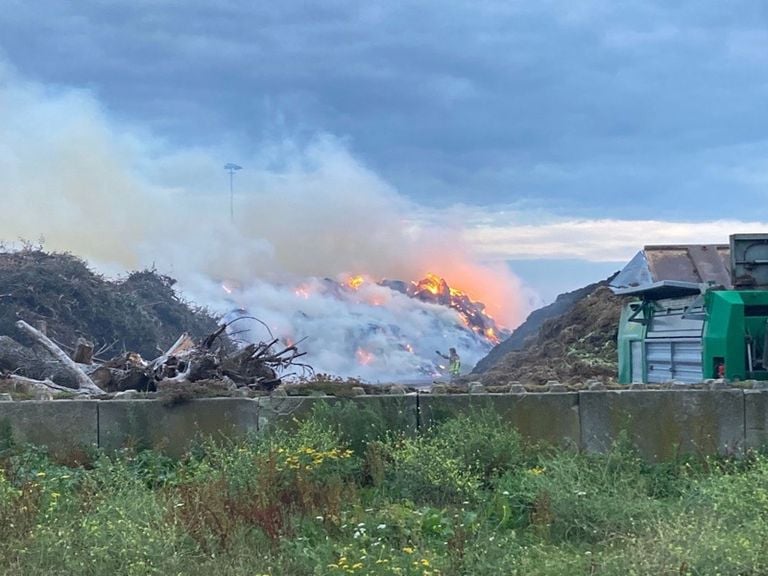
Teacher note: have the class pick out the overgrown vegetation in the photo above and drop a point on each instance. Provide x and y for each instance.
(340, 494)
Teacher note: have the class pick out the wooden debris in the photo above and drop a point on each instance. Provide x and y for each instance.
(46, 367)
(84, 382)
(83, 353)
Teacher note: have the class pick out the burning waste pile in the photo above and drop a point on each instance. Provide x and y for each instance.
(356, 326)
(64, 328)
(307, 215)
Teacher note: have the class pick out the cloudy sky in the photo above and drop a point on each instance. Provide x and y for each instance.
(557, 130)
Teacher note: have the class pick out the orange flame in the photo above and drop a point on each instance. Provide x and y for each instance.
(364, 357)
(471, 313)
(431, 283)
(355, 282)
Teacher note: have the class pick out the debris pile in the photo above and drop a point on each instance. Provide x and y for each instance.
(575, 347)
(44, 368)
(64, 328)
(140, 313)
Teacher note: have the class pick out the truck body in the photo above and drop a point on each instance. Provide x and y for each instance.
(678, 330)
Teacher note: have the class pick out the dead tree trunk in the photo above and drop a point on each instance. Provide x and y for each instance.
(35, 363)
(84, 382)
(83, 353)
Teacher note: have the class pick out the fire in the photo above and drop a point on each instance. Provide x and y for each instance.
(364, 357)
(433, 288)
(431, 283)
(302, 292)
(355, 282)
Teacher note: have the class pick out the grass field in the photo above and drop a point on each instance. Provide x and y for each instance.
(338, 494)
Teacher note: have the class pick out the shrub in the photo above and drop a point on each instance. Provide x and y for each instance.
(481, 442)
(572, 497)
(423, 470)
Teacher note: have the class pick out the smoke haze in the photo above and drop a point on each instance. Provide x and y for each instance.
(123, 199)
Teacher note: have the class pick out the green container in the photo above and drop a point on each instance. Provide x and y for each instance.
(733, 337)
(735, 330)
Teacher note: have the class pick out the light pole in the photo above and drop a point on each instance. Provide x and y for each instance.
(232, 168)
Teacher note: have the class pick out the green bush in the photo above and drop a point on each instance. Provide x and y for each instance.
(424, 470)
(482, 443)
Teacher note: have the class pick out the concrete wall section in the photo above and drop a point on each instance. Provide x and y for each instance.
(552, 418)
(660, 423)
(172, 429)
(756, 418)
(396, 413)
(63, 426)
(664, 423)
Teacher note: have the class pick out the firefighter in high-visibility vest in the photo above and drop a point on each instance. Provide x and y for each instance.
(454, 362)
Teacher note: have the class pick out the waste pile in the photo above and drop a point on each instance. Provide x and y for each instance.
(45, 368)
(141, 313)
(575, 347)
(65, 329)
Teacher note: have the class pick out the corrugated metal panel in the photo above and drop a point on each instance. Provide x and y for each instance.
(686, 361)
(673, 360)
(666, 269)
(658, 360)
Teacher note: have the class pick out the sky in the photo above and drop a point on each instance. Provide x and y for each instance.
(559, 136)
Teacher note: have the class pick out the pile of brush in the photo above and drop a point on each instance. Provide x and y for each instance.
(44, 367)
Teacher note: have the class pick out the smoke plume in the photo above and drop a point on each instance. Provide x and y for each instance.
(118, 196)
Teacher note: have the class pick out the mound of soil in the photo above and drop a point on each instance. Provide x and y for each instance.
(141, 313)
(577, 346)
(530, 328)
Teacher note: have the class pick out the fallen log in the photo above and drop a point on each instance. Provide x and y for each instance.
(35, 363)
(29, 384)
(84, 382)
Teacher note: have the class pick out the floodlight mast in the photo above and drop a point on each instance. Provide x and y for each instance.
(232, 168)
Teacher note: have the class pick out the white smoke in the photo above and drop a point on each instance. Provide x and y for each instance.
(373, 333)
(123, 199)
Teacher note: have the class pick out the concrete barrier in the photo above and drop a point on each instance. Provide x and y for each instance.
(552, 418)
(661, 423)
(396, 413)
(756, 418)
(63, 426)
(173, 429)
(664, 423)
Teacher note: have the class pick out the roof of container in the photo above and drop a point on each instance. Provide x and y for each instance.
(674, 270)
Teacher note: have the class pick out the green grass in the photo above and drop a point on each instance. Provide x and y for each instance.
(339, 494)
